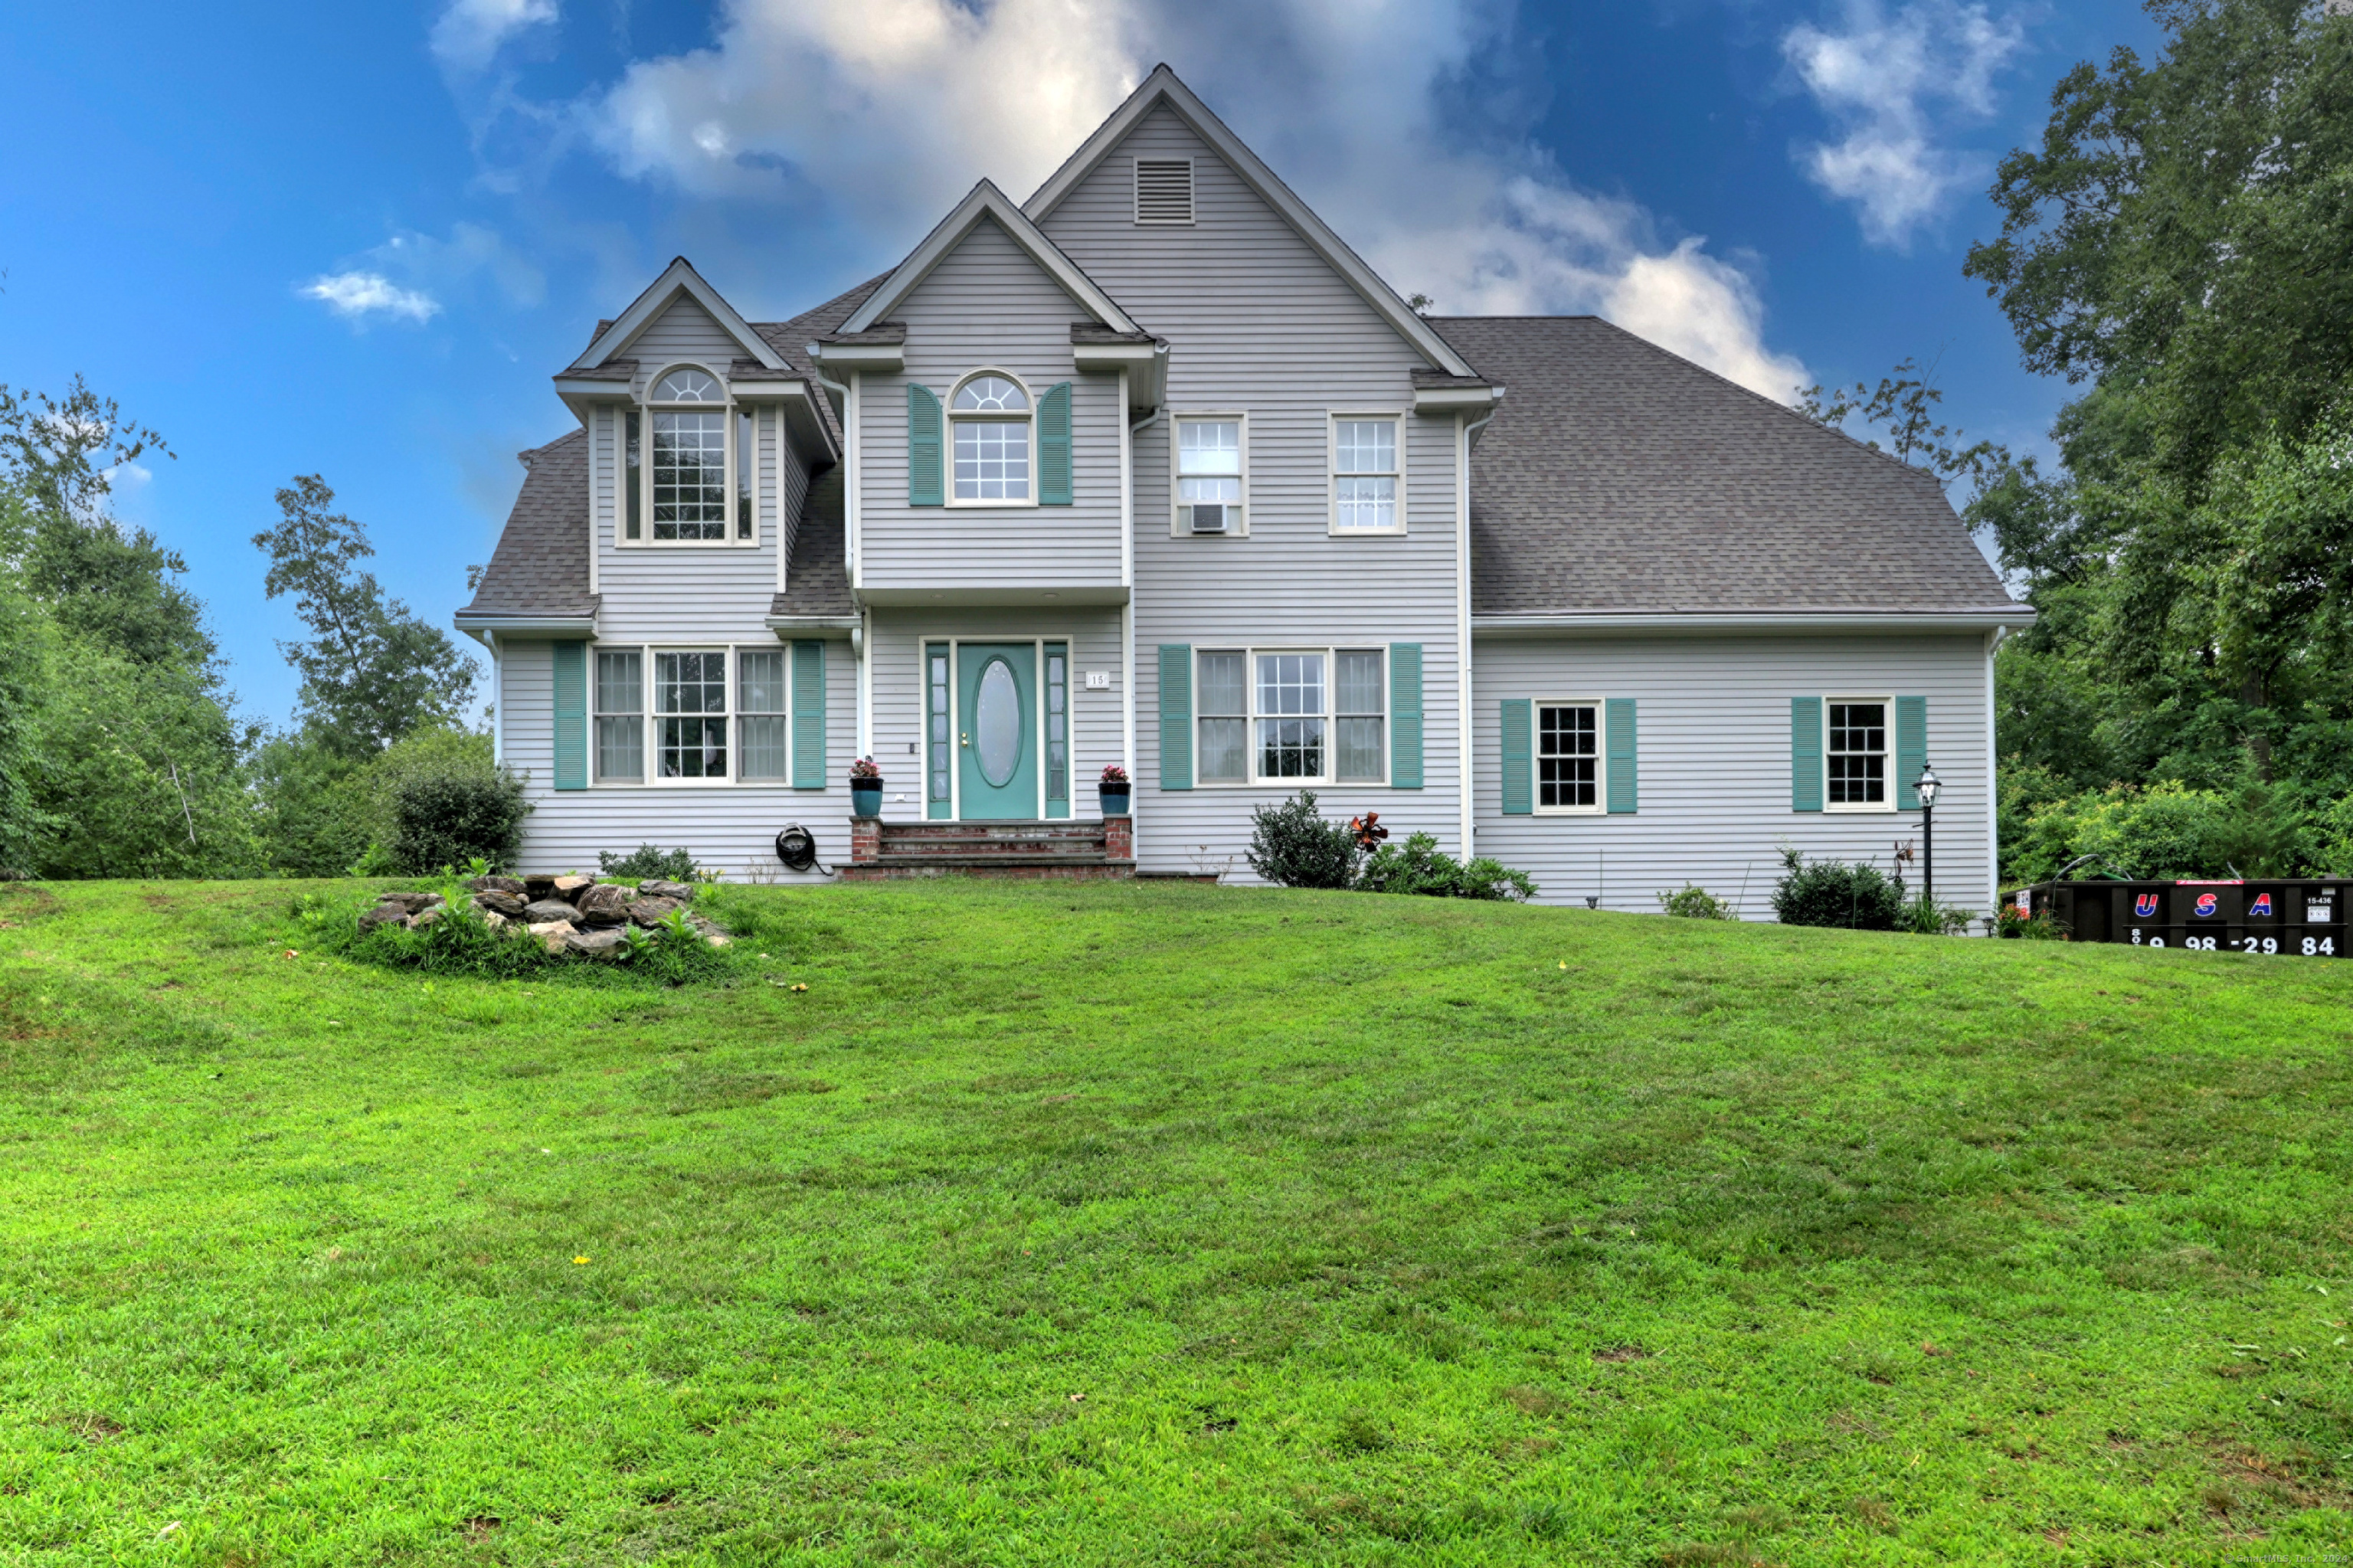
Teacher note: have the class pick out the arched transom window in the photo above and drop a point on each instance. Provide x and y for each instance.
(990, 416)
(689, 478)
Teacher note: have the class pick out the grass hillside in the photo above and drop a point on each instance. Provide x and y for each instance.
(1149, 1223)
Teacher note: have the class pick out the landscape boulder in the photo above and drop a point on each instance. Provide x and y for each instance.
(601, 943)
(423, 917)
(411, 903)
(499, 900)
(711, 932)
(603, 904)
(572, 886)
(496, 884)
(540, 911)
(655, 888)
(553, 934)
(651, 911)
(382, 914)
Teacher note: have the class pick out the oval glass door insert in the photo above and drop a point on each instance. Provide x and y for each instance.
(997, 724)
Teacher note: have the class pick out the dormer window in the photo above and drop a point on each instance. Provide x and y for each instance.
(989, 418)
(689, 457)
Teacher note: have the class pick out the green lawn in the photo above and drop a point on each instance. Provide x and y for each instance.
(1163, 1223)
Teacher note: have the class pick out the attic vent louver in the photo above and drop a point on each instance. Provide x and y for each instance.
(1164, 190)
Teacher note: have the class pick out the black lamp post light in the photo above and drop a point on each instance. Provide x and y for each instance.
(1926, 787)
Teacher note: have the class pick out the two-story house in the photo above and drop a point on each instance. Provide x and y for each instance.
(1152, 470)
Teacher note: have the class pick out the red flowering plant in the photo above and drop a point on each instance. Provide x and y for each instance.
(1115, 774)
(866, 768)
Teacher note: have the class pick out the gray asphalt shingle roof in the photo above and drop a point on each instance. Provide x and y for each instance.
(540, 565)
(1619, 477)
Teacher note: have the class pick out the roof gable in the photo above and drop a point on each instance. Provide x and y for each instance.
(679, 278)
(987, 203)
(1162, 87)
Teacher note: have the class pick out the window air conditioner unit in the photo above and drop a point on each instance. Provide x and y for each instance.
(1208, 517)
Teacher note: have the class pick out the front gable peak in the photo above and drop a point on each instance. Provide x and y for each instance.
(1162, 87)
(987, 203)
(679, 278)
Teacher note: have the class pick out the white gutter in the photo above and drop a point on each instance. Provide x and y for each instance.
(1605, 622)
(526, 626)
(784, 625)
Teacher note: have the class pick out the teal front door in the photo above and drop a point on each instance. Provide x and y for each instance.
(996, 736)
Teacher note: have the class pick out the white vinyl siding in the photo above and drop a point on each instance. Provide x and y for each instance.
(1276, 334)
(1714, 761)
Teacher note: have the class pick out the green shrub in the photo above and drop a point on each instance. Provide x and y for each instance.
(453, 814)
(1859, 897)
(1293, 845)
(2041, 928)
(644, 862)
(2164, 831)
(1929, 916)
(1420, 866)
(1692, 903)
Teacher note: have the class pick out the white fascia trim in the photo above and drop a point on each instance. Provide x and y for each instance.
(986, 201)
(1144, 364)
(678, 278)
(1793, 622)
(1449, 399)
(803, 625)
(1161, 86)
(527, 626)
(853, 357)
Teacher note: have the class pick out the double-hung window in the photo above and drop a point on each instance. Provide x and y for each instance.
(1569, 753)
(691, 715)
(989, 418)
(1281, 716)
(1856, 755)
(1209, 475)
(762, 725)
(1367, 475)
(620, 715)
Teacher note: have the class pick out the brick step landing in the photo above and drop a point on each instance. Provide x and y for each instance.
(1063, 849)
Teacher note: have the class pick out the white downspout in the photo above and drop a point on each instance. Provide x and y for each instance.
(1464, 430)
(1128, 581)
(1993, 763)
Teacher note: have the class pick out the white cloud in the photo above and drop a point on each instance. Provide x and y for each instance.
(470, 31)
(886, 111)
(356, 295)
(1895, 85)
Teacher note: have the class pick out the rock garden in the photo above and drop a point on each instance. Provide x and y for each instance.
(576, 915)
(513, 927)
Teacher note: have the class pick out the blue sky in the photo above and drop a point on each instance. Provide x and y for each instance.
(356, 240)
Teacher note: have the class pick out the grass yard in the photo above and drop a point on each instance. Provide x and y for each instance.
(1153, 1224)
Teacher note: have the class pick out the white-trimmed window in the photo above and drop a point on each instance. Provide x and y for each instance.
(1309, 715)
(1854, 754)
(691, 715)
(1368, 474)
(620, 715)
(763, 727)
(988, 429)
(689, 469)
(1207, 461)
(1568, 755)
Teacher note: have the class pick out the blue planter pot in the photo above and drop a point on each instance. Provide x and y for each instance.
(1114, 799)
(866, 797)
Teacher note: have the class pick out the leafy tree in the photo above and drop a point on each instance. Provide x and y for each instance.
(1901, 409)
(373, 671)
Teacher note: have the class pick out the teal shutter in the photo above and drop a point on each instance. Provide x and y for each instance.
(1805, 753)
(1054, 446)
(1911, 749)
(1405, 714)
(1617, 737)
(808, 715)
(924, 484)
(571, 715)
(1519, 763)
(1175, 715)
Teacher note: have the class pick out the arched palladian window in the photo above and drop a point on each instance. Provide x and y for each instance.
(690, 456)
(989, 417)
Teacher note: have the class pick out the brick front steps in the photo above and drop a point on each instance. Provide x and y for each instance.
(880, 850)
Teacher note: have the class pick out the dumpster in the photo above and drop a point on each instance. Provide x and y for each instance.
(2289, 917)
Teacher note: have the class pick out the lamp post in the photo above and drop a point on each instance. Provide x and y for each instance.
(1927, 787)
